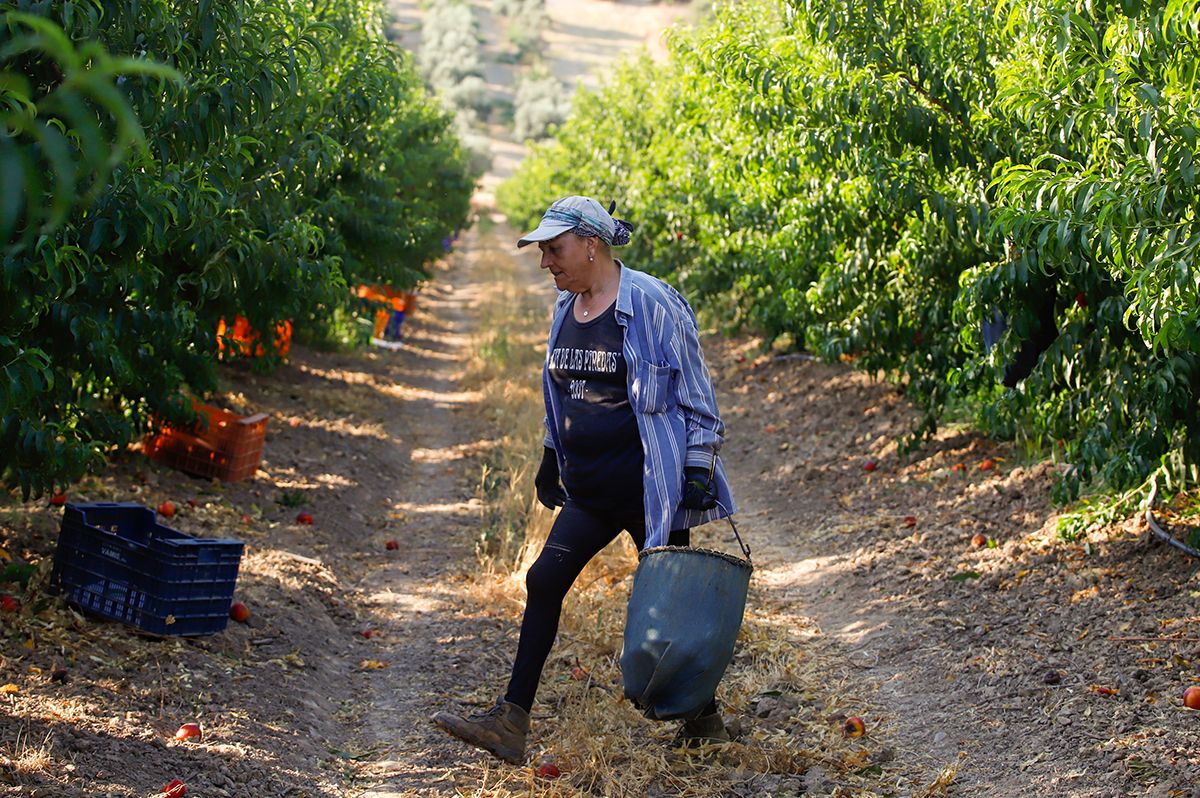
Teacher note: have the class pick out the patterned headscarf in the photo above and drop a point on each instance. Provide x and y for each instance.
(612, 231)
(584, 217)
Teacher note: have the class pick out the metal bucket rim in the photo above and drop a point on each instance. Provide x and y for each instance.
(733, 559)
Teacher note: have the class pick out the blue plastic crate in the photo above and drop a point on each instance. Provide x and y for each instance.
(116, 560)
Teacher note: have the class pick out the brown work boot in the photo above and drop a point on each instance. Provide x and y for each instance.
(500, 731)
(703, 730)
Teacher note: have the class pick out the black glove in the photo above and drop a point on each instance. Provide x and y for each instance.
(699, 492)
(549, 491)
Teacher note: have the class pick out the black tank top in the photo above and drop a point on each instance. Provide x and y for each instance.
(602, 449)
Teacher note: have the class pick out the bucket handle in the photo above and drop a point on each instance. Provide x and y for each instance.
(729, 518)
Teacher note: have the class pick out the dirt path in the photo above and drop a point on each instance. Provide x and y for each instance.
(440, 647)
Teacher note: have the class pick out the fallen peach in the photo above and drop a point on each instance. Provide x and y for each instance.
(1191, 697)
(175, 788)
(854, 727)
(189, 730)
(979, 540)
(392, 545)
(548, 770)
(167, 509)
(239, 612)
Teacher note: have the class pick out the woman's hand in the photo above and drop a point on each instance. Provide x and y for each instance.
(699, 492)
(549, 490)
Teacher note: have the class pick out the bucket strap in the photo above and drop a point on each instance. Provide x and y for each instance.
(729, 518)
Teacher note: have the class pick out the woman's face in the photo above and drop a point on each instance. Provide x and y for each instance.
(566, 256)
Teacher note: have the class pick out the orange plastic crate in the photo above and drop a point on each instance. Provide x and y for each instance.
(382, 317)
(239, 339)
(384, 301)
(387, 297)
(228, 447)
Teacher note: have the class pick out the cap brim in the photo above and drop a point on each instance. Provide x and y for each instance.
(545, 231)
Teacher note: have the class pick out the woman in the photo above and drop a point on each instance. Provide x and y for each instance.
(632, 435)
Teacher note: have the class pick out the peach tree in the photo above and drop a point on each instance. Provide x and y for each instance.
(226, 158)
(993, 206)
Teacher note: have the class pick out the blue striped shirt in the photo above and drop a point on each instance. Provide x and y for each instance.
(671, 394)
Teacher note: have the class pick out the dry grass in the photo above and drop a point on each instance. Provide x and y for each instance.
(505, 365)
(27, 757)
(944, 781)
(581, 722)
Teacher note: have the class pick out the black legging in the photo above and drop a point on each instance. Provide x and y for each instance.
(577, 536)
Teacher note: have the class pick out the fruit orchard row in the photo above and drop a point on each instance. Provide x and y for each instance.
(994, 204)
(169, 165)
